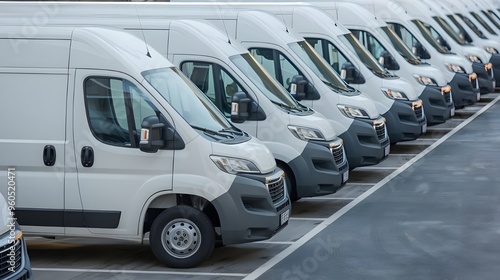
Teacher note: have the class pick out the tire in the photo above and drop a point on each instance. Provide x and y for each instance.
(182, 237)
(290, 185)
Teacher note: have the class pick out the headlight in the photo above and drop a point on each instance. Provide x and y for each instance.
(455, 68)
(394, 94)
(426, 81)
(491, 50)
(306, 133)
(473, 58)
(353, 112)
(234, 165)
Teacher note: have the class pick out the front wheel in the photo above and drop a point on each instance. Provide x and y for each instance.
(182, 237)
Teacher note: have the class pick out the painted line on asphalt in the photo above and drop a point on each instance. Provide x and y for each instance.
(329, 198)
(308, 236)
(377, 168)
(158, 272)
(276, 242)
(358, 184)
(308, 219)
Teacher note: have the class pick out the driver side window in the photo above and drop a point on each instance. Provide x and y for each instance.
(329, 52)
(276, 64)
(115, 110)
(214, 81)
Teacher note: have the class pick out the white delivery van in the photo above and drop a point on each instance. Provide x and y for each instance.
(427, 81)
(121, 143)
(476, 15)
(457, 69)
(388, 97)
(443, 34)
(286, 54)
(14, 260)
(488, 8)
(355, 117)
(470, 28)
(302, 141)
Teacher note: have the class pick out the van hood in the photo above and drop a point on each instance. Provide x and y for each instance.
(316, 121)
(253, 150)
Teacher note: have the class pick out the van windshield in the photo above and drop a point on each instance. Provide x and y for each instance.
(453, 33)
(400, 46)
(424, 30)
(319, 66)
(368, 60)
(483, 23)
(267, 85)
(472, 26)
(462, 33)
(187, 99)
(493, 17)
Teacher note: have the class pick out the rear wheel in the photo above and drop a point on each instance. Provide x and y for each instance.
(182, 236)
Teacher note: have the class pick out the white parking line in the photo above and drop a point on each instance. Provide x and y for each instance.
(276, 242)
(139, 272)
(359, 184)
(377, 168)
(328, 198)
(307, 219)
(292, 248)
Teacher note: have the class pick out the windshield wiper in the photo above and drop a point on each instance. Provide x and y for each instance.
(232, 131)
(284, 106)
(334, 86)
(211, 132)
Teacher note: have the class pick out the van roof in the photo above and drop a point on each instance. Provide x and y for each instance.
(93, 47)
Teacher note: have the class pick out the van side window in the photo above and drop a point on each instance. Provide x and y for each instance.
(276, 64)
(115, 110)
(370, 42)
(329, 52)
(215, 82)
(404, 34)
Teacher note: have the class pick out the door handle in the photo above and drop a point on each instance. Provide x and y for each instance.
(49, 155)
(87, 156)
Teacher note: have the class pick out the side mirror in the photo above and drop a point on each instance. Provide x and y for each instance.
(151, 135)
(351, 74)
(420, 51)
(297, 87)
(239, 107)
(388, 61)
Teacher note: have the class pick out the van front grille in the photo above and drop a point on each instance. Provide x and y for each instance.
(380, 130)
(338, 154)
(418, 109)
(473, 81)
(447, 96)
(10, 258)
(276, 189)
